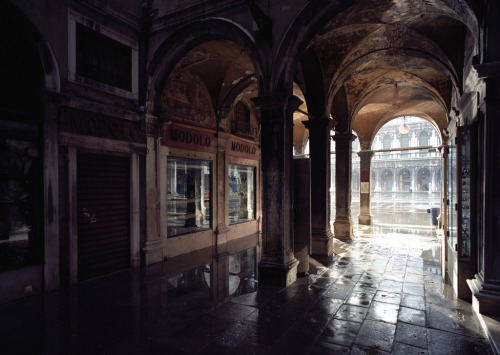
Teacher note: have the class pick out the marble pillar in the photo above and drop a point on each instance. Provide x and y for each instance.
(343, 226)
(278, 264)
(365, 204)
(485, 286)
(319, 147)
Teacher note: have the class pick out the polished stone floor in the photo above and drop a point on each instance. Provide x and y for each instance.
(382, 293)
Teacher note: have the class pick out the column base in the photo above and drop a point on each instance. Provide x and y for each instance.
(365, 219)
(343, 229)
(153, 252)
(301, 253)
(278, 274)
(485, 297)
(322, 243)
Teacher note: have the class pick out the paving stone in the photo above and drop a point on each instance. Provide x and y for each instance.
(412, 316)
(360, 298)
(412, 335)
(446, 343)
(327, 305)
(352, 313)
(376, 335)
(384, 312)
(361, 350)
(414, 289)
(388, 297)
(390, 286)
(341, 332)
(413, 301)
(321, 348)
(405, 349)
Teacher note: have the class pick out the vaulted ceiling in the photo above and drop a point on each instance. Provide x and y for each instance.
(388, 58)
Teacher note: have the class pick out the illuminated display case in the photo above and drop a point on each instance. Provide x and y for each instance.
(464, 195)
(241, 193)
(460, 234)
(188, 196)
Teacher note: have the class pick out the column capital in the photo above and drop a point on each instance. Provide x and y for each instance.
(152, 125)
(322, 122)
(343, 137)
(272, 101)
(488, 70)
(366, 154)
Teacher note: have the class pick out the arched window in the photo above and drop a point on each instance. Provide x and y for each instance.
(423, 140)
(241, 118)
(405, 140)
(404, 183)
(387, 142)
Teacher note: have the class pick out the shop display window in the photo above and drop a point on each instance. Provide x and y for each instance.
(19, 202)
(188, 196)
(241, 193)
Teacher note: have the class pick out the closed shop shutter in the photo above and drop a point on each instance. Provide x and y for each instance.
(103, 185)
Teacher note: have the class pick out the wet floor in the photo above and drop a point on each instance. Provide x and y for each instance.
(381, 294)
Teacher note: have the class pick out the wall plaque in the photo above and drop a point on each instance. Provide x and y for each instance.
(243, 148)
(186, 137)
(92, 124)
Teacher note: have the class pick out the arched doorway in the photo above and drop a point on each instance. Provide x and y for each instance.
(387, 180)
(423, 179)
(404, 180)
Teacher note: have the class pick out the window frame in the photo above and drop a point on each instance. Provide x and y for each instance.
(229, 197)
(73, 19)
(210, 200)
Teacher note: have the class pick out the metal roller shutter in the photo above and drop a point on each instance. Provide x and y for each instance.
(103, 185)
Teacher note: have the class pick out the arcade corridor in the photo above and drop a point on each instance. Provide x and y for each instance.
(382, 293)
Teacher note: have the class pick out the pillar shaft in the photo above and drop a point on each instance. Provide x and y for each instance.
(343, 164)
(486, 285)
(51, 187)
(153, 248)
(278, 264)
(319, 146)
(365, 204)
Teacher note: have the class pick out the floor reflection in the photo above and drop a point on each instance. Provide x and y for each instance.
(380, 293)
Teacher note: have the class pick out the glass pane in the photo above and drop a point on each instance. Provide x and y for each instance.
(466, 247)
(241, 193)
(19, 199)
(188, 196)
(452, 194)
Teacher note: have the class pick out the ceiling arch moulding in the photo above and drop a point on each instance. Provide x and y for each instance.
(385, 80)
(168, 53)
(379, 107)
(298, 36)
(419, 64)
(396, 39)
(388, 119)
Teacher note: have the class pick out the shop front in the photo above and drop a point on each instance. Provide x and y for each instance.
(209, 188)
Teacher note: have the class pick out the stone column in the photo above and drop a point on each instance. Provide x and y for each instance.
(221, 263)
(365, 204)
(444, 207)
(343, 223)
(486, 284)
(414, 180)
(395, 180)
(153, 248)
(278, 264)
(51, 190)
(319, 147)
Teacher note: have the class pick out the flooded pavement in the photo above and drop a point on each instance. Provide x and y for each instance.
(381, 294)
